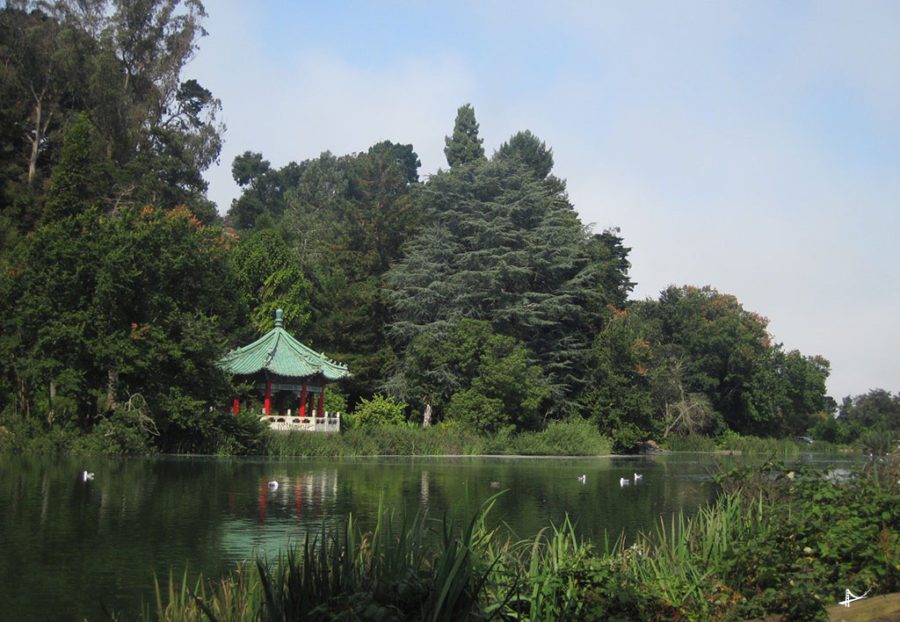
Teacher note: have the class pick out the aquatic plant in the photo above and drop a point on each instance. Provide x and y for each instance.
(776, 541)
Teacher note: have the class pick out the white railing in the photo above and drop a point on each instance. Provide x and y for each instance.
(290, 423)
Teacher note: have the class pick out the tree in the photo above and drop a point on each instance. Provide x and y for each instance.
(464, 145)
(505, 245)
(464, 371)
(799, 389)
(876, 410)
(683, 413)
(82, 179)
(708, 344)
(530, 151)
(120, 61)
(269, 277)
(349, 218)
(619, 385)
(148, 301)
(42, 79)
(266, 190)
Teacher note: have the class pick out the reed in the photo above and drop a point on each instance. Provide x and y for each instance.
(746, 555)
(397, 571)
(569, 438)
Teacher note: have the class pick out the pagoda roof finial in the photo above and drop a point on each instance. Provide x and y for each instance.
(279, 318)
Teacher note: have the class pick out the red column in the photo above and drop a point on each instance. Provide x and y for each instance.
(320, 409)
(263, 500)
(267, 405)
(302, 411)
(236, 407)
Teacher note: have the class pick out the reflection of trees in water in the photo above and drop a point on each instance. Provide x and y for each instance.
(537, 492)
(67, 537)
(299, 494)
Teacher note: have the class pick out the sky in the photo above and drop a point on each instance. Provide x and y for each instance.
(750, 146)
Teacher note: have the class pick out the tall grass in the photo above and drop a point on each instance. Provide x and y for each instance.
(568, 438)
(785, 544)
(417, 571)
(572, 437)
(691, 443)
(751, 445)
(441, 572)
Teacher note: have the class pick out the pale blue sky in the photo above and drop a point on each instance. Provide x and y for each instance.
(751, 146)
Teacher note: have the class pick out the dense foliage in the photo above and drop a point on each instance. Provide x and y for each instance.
(476, 297)
(117, 295)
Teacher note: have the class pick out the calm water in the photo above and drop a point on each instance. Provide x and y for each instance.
(68, 546)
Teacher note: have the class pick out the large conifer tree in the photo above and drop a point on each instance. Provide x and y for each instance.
(506, 246)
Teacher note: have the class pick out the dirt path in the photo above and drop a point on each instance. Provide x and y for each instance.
(874, 609)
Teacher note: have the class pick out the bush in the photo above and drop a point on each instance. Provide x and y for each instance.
(388, 440)
(378, 411)
(570, 437)
(242, 435)
(627, 438)
(754, 445)
(335, 400)
(481, 413)
(878, 442)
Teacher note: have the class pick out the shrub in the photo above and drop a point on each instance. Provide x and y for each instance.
(482, 413)
(241, 435)
(627, 438)
(570, 437)
(378, 411)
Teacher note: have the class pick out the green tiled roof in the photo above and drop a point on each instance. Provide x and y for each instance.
(279, 353)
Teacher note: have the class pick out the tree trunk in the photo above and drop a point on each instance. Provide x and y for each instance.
(112, 386)
(35, 140)
(22, 397)
(52, 393)
(426, 416)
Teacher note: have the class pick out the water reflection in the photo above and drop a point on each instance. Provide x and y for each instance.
(69, 544)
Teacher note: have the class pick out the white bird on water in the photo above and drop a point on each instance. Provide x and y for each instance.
(86, 476)
(273, 485)
(624, 481)
(637, 477)
(582, 478)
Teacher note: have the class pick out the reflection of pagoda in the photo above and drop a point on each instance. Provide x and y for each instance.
(288, 375)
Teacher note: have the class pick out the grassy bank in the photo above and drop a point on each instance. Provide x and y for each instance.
(566, 438)
(780, 447)
(776, 542)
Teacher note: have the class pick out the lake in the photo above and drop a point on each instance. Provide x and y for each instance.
(71, 546)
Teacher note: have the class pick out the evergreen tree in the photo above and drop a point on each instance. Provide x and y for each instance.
(530, 151)
(506, 246)
(82, 177)
(464, 146)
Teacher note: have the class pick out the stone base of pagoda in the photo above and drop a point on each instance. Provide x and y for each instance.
(287, 423)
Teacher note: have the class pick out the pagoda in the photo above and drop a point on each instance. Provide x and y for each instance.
(286, 373)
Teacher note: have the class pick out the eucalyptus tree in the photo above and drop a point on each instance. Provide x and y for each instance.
(120, 62)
